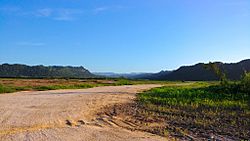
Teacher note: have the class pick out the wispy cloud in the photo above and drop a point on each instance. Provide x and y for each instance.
(45, 12)
(63, 14)
(24, 43)
(59, 14)
(66, 14)
(101, 9)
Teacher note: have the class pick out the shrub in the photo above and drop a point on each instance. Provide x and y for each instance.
(4, 89)
(245, 83)
(124, 82)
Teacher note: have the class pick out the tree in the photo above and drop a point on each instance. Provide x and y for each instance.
(245, 82)
(218, 72)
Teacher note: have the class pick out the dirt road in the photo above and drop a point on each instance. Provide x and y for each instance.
(68, 115)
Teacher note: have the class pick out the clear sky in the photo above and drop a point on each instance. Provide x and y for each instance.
(124, 35)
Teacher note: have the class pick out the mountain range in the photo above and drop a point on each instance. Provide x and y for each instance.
(121, 75)
(199, 72)
(24, 71)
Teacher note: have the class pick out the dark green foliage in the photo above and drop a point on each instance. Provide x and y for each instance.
(245, 83)
(24, 71)
(217, 71)
(124, 82)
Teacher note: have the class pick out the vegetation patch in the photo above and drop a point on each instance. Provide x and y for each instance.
(9, 85)
(9, 89)
(195, 112)
(56, 87)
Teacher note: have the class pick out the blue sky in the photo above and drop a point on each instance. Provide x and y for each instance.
(124, 35)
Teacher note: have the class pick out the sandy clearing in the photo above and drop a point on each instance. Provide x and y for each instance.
(66, 115)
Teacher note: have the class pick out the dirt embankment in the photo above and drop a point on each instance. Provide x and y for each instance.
(67, 115)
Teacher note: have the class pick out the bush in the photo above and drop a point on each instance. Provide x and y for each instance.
(124, 82)
(4, 89)
(245, 83)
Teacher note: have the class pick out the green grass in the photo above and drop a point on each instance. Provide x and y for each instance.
(199, 108)
(14, 85)
(9, 89)
(56, 87)
(205, 96)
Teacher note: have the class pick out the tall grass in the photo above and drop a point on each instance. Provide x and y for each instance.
(8, 89)
(222, 109)
(56, 87)
(207, 96)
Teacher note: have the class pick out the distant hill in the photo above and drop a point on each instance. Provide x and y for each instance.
(198, 72)
(108, 74)
(151, 76)
(124, 75)
(18, 70)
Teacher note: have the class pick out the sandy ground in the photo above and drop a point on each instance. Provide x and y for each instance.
(66, 115)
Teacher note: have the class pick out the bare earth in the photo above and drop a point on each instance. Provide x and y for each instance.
(67, 115)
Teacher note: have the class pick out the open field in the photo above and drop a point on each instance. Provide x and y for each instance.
(199, 111)
(8, 85)
(173, 110)
(67, 115)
